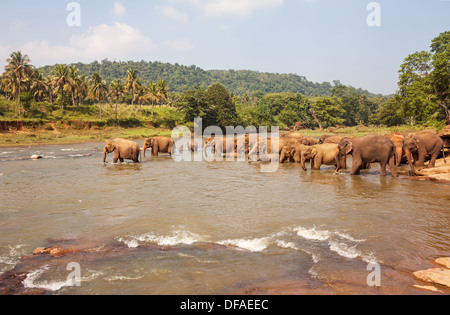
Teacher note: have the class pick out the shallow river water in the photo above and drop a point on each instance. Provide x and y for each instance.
(163, 227)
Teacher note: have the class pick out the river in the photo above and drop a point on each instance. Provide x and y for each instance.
(165, 227)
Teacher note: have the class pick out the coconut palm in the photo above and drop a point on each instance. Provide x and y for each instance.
(163, 91)
(38, 85)
(17, 69)
(116, 90)
(60, 81)
(82, 91)
(97, 90)
(133, 83)
(73, 82)
(153, 95)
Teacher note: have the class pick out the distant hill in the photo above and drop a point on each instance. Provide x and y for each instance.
(181, 77)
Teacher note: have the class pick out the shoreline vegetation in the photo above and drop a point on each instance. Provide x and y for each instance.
(35, 132)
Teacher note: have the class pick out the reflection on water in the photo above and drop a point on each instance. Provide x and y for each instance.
(225, 227)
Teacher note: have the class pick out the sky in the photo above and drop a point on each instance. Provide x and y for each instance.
(323, 40)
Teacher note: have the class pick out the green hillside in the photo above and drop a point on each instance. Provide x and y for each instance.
(179, 77)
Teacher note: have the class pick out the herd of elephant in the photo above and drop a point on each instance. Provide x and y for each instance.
(393, 149)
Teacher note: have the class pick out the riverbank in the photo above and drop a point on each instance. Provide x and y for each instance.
(26, 133)
(56, 136)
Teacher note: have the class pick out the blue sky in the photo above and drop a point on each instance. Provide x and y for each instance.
(324, 40)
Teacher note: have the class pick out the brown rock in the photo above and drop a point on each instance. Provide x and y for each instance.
(41, 250)
(443, 262)
(428, 288)
(435, 275)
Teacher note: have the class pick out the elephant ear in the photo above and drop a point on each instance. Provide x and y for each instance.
(348, 147)
(313, 153)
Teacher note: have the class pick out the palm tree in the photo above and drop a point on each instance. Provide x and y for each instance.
(133, 83)
(116, 90)
(16, 70)
(163, 89)
(38, 85)
(153, 95)
(82, 91)
(140, 96)
(59, 80)
(73, 82)
(97, 90)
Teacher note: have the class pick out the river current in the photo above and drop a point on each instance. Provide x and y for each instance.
(215, 227)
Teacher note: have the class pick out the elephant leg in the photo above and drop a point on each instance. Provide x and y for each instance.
(155, 150)
(421, 161)
(121, 160)
(316, 164)
(383, 168)
(116, 157)
(356, 168)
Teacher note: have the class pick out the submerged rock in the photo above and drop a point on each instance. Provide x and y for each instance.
(36, 157)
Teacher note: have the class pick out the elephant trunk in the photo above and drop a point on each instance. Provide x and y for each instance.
(144, 148)
(338, 162)
(410, 159)
(303, 161)
(104, 155)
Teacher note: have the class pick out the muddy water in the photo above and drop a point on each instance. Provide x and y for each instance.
(214, 227)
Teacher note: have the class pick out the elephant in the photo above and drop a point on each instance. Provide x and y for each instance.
(221, 145)
(159, 145)
(285, 146)
(398, 140)
(293, 152)
(368, 149)
(123, 150)
(293, 135)
(309, 141)
(333, 139)
(322, 154)
(421, 145)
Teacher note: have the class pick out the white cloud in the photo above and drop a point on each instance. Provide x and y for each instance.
(118, 41)
(179, 44)
(173, 14)
(212, 8)
(118, 9)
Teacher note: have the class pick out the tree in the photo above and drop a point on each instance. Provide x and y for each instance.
(163, 92)
(326, 111)
(153, 95)
(116, 90)
(219, 98)
(440, 76)
(59, 81)
(414, 86)
(97, 90)
(133, 83)
(73, 82)
(194, 104)
(38, 86)
(424, 81)
(16, 70)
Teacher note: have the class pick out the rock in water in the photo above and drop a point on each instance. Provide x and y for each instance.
(36, 157)
(435, 275)
(443, 262)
